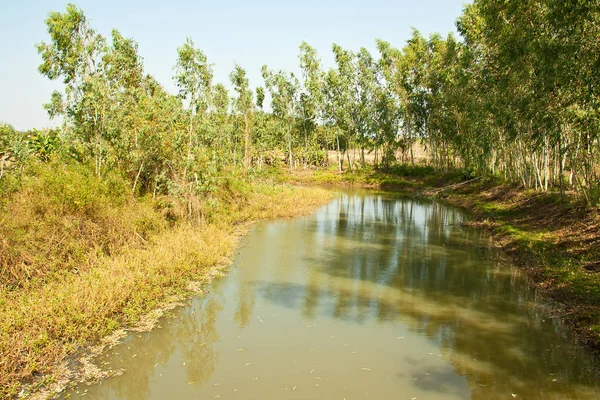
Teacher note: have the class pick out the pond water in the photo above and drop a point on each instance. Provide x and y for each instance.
(374, 296)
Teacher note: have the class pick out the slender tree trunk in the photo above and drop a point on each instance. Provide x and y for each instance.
(190, 134)
(349, 162)
(290, 155)
(137, 177)
(247, 140)
(362, 155)
(339, 154)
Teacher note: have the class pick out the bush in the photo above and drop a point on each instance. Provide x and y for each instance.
(75, 188)
(59, 216)
(409, 170)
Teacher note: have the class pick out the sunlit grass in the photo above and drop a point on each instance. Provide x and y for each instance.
(76, 270)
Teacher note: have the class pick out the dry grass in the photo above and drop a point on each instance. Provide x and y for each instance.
(78, 275)
(62, 219)
(42, 326)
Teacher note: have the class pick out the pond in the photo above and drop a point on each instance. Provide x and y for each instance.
(374, 296)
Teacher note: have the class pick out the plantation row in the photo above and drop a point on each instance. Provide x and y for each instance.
(517, 98)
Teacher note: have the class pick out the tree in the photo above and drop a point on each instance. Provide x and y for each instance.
(311, 96)
(74, 54)
(244, 106)
(284, 90)
(194, 79)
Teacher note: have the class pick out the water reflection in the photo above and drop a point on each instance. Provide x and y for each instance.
(374, 296)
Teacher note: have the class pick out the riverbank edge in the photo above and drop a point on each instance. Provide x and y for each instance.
(281, 202)
(553, 237)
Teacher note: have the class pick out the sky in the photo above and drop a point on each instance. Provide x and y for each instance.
(250, 33)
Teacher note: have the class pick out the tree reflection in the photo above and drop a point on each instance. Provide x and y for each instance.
(371, 261)
(405, 260)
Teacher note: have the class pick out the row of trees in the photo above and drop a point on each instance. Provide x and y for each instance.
(517, 97)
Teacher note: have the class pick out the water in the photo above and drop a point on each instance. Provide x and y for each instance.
(372, 297)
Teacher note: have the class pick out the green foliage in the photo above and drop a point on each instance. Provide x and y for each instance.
(193, 76)
(14, 149)
(408, 170)
(507, 101)
(244, 107)
(285, 91)
(44, 144)
(75, 188)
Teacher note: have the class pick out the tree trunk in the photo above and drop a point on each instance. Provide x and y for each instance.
(290, 155)
(247, 140)
(137, 177)
(190, 133)
(339, 155)
(362, 156)
(349, 162)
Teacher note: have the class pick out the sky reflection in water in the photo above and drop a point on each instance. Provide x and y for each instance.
(374, 296)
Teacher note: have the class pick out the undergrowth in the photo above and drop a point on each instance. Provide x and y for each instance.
(81, 256)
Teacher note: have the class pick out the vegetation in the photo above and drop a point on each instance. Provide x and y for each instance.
(137, 198)
(555, 238)
(139, 191)
(81, 258)
(514, 98)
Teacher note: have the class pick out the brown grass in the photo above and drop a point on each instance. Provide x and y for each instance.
(77, 275)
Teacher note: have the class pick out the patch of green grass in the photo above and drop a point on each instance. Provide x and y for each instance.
(409, 170)
(533, 240)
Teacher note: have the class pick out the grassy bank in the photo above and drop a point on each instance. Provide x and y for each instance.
(404, 178)
(555, 237)
(82, 258)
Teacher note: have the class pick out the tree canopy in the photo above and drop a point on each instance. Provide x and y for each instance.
(516, 97)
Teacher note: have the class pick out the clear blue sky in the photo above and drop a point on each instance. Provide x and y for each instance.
(251, 33)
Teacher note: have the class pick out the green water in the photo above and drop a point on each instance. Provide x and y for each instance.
(372, 297)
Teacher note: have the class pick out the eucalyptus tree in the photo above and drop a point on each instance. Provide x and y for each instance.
(223, 138)
(343, 104)
(74, 55)
(193, 77)
(366, 102)
(437, 135)
(156, 122)
(573, 56)
(285, 90)
(311, 97)
(126, 126)
(244, 106)
(335, 111)
(518, 89)
(413, 70)
(391, 100)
